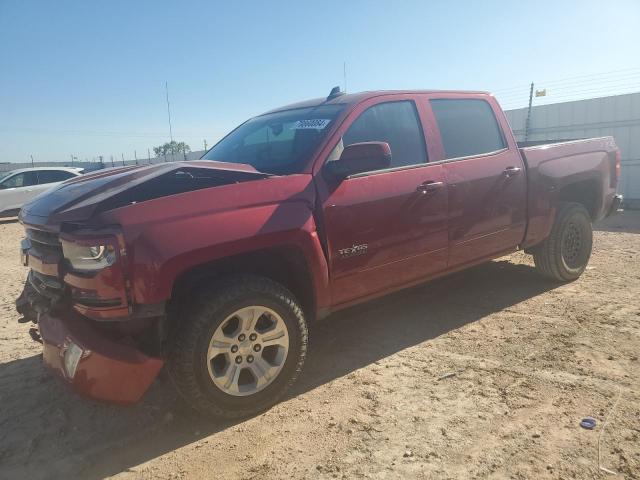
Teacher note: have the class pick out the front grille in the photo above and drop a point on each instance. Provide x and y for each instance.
(46, 242)
(41, 236)
(46, 285)
(44, 289)
(45, 254)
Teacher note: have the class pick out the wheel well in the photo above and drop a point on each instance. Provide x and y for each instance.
(585, 192)
(285, 265)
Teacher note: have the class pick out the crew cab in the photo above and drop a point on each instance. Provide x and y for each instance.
(214, 268)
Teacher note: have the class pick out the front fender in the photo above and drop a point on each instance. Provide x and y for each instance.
(300, 233)
(169, 236)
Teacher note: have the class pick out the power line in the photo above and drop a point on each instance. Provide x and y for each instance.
(625, 84)
(514, 96)
(606, 85)
(608, 91)
(609, 86)
(590, 75)
(519, 87)
(552, 95)
(578, 80)
(602, 82)
(511, 105)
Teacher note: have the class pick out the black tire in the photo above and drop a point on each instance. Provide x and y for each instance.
(187, 360)
(564, 254)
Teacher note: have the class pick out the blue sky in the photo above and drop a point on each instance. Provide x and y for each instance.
(87, 77)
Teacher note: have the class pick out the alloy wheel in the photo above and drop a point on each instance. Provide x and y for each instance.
(248, 350)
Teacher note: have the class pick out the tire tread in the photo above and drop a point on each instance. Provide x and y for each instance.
(207, 301)
(547, 254)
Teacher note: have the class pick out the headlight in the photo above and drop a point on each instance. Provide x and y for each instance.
(88, 257)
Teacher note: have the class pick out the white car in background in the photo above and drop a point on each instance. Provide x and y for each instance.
(18, 187)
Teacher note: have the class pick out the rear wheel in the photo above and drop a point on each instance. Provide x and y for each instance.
(565, 253)
(241, 347)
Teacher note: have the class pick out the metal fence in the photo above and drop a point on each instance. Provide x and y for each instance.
(106, 162)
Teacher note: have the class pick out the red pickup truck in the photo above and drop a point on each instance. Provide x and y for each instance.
(215, 267)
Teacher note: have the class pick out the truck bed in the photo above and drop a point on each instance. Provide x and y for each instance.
(537, 143)
(588, 165)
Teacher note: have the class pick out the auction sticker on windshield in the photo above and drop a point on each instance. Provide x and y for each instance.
(317, 123)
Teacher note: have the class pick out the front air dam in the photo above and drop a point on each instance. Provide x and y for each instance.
(94, 365)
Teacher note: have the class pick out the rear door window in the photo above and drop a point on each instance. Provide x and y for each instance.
(50, 176)
(467, 127)
(397, 124)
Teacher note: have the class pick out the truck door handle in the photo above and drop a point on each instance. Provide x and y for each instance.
(429, 187)
(511, 171)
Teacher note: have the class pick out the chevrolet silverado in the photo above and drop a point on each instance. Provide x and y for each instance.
(214, 268)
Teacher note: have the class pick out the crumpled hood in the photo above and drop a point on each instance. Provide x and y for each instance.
(79, 198)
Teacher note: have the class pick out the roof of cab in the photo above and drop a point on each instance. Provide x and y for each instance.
(354, 98)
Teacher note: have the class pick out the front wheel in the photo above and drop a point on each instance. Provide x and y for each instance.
(241, 346)
(564, 254)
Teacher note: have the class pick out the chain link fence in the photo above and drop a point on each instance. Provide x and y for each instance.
(106, 162)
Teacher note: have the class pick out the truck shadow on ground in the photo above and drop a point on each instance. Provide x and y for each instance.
(49, 432)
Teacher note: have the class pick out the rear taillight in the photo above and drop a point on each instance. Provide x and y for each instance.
(615, 170)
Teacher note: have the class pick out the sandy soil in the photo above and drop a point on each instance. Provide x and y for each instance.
(484, 374)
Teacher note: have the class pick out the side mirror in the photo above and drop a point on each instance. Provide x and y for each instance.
(359, 158)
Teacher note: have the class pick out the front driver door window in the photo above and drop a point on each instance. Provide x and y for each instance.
(382, 230)
(396, 123)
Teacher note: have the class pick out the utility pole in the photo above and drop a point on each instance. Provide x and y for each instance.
(149, 156)
(166, 86)
(122, 154)
(528, 121)
(344, 74)
(112, 164)
(72, 159)
(135, 155)
(31, 160)
(205, 145)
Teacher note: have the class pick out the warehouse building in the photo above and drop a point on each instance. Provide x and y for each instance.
(618, 116)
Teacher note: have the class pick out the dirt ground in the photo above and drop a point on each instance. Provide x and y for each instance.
(484, 374)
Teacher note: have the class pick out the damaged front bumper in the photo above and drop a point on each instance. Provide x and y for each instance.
(96, 357)
(93, 364)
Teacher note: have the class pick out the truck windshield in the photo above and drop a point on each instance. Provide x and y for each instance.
(279, 143)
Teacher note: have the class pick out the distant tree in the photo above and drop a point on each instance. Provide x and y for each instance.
(171, 148)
